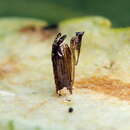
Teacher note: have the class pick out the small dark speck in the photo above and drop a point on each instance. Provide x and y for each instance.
(70, 110)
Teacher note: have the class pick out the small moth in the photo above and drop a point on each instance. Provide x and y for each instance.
(64, 59)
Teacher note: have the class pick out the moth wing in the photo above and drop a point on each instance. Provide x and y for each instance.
(69, 63)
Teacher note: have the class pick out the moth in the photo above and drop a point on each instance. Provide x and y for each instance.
(64, 59)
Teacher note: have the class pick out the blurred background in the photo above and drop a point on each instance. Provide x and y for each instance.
(53, 11)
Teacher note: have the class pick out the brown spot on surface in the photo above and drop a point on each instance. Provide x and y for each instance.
(106, 85)
(8, 67)
(42, 33)
(34, 108)
(28, 29)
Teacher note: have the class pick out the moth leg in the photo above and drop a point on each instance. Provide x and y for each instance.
(70, 89)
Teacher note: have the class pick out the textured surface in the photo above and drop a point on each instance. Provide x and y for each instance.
(27, 90)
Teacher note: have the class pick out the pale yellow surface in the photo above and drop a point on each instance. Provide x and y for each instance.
(27, 91)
